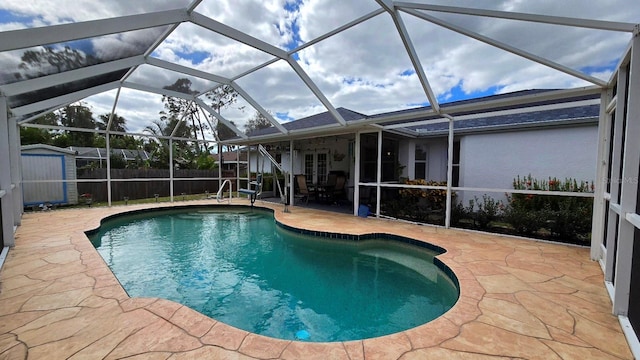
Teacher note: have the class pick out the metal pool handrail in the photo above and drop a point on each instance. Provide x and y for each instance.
(219, 195)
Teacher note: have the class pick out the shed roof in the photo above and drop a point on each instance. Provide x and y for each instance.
(35, 147)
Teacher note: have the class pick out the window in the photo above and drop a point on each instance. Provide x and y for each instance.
(455, 181)
(389, 159)
(420, 163)
(308, 166)
(368, 157)
(321, 168)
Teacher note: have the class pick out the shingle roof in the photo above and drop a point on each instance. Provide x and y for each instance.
(541, 117)
(463, 102)
(547, 117)
(312, 121)
(480, 100)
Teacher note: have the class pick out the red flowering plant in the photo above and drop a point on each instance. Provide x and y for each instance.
(551, 184)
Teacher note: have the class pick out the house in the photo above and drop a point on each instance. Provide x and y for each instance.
(230, 162)
(550, 138)
(546, 139)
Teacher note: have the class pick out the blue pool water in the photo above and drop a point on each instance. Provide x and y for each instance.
(238, 266)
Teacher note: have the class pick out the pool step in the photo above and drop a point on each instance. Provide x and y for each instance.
(421, 266)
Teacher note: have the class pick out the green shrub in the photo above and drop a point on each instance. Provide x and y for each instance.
(566, 218)
(458, 213)
(480, 213)
(206, 162)
(572, 219)
(524, 220)
(488, 210)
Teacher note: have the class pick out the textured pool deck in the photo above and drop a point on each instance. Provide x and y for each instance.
(519, 299)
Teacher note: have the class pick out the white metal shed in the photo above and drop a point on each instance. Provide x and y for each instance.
(48, 175)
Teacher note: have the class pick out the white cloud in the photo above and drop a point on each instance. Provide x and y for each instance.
(45, 12)
(137, 107)
(12, 26)
(118, 46)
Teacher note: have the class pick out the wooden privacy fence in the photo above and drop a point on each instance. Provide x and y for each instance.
(147, 189)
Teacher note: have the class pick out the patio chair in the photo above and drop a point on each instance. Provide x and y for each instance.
(338, 192)
(302, 190)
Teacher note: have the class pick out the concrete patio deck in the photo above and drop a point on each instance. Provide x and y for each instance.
(519, 299)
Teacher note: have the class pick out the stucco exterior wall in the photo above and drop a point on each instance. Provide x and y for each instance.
(493, 160)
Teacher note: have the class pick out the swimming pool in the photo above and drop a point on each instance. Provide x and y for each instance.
(236, 265)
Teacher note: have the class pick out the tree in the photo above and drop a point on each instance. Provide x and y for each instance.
(223, 132)
(62, 140)
(182, 109)
(222, 97)
(118, 123)
(159, 147)
(30, 135)
(78, 116)
(257, 122)
(49, 61)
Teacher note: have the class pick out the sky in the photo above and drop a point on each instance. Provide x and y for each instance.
(365, 68)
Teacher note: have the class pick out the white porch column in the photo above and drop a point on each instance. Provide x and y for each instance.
(6, 209)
